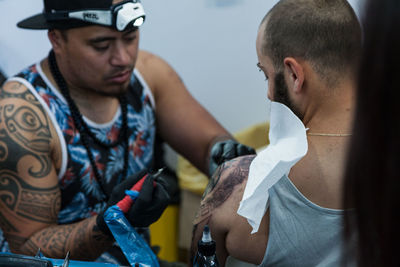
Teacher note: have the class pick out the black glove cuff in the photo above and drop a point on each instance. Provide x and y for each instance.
(102, 226)
(226, 150)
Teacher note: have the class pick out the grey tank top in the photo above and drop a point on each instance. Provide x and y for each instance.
(301, 233)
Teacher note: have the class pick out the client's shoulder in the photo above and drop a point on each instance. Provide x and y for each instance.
(228, 175)
(226, 187)
(218, 210)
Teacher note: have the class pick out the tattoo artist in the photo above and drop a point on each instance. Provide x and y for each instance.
(78, 129)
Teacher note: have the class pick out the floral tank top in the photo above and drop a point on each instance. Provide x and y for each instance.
(80, 191)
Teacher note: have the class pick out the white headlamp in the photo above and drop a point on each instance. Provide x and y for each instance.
(122, 16)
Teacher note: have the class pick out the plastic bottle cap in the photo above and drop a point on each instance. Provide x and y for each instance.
(206, 234)
(206, 245)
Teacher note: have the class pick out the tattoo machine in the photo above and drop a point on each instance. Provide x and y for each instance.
(135, 248)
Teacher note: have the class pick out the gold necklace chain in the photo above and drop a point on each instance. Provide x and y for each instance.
(329, 134)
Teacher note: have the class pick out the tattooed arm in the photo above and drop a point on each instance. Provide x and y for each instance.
(179, 126)
(29, 193)
(218, 208)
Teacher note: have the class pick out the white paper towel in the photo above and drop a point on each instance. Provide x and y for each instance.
(288, 144)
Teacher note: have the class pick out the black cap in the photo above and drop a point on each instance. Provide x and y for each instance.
(40, 22)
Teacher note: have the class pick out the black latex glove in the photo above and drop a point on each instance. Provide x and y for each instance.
(151, 202)
(146, 209)
(226, 150)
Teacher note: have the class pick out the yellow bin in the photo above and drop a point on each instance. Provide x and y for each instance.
(164, 233)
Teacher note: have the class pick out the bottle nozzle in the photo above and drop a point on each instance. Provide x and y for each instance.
(206, 234)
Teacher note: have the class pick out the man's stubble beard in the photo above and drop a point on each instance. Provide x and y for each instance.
(116, 91)
(121, 90)
(281, 94)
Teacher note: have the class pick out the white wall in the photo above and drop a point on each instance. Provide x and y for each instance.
(19, 48)
(213, 48)
(211, 43)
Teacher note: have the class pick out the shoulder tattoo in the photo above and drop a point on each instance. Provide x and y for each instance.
(25, 133)
(221, 185)
(25, 157)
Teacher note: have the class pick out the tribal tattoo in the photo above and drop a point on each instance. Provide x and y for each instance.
(25, 150)
(25, 135)
(26, 193)
(30, 198)
(27, 201)
(56, 241)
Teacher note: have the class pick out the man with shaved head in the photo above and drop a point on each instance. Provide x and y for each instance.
(78, 128)
(308, 51)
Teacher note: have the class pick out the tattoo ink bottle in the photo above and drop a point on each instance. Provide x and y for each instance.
(206, 248)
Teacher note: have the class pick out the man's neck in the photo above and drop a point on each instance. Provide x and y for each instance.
(319, 175)
(331, 110)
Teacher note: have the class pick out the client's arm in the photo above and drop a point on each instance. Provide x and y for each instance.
(218, 208)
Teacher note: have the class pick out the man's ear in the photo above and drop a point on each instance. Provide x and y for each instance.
(56, 39)
(294, 73)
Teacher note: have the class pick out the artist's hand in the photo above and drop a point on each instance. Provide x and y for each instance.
(146, 209)
(151, 202)
(226, 150)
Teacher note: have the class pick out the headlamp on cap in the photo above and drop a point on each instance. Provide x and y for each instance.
(122, 16)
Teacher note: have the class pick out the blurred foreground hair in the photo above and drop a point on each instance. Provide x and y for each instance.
(372, 184)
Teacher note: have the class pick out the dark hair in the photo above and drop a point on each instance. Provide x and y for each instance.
(372, 185)
(324, 32)
(2, 78)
